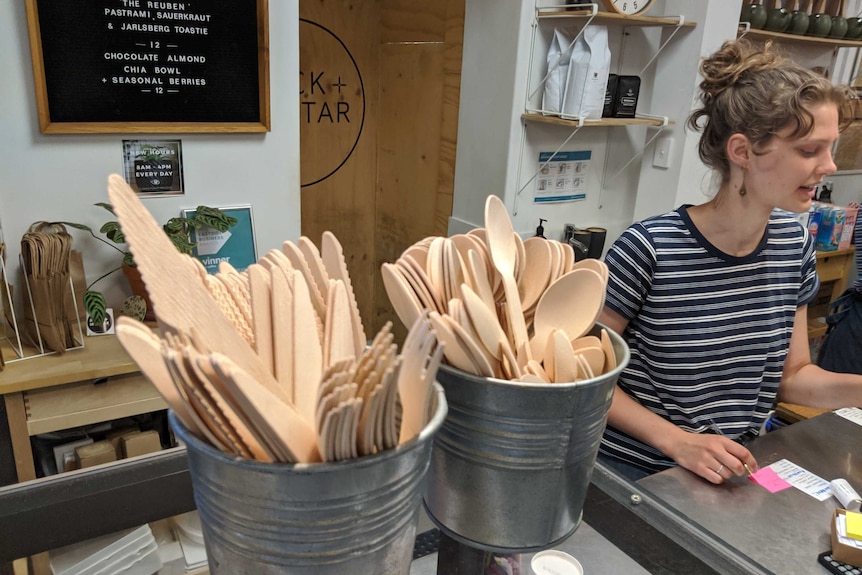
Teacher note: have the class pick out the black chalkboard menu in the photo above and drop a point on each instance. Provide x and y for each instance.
(148, 66)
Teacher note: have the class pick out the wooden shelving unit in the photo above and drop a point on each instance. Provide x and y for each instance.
(763, 35)
(614, 19)
(556, 120)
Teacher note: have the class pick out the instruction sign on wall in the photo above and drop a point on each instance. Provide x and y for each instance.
(562, 176)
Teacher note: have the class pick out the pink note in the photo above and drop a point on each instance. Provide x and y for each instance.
(770, 480)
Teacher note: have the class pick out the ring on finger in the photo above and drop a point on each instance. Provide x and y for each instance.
(720, 468)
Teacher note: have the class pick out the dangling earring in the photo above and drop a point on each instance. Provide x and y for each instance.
(742, 190)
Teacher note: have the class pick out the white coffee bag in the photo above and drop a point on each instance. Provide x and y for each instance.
(587, 78)
(559, 53)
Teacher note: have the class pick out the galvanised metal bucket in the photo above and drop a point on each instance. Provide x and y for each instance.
(357, 517)
(511, 465)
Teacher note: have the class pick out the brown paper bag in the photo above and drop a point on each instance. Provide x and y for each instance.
(79, 282)
(46, 257)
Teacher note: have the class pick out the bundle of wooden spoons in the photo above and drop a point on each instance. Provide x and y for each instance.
(272, 362)
(505, 308)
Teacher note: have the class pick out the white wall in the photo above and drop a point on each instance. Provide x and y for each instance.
(496, 155)
(59, 177)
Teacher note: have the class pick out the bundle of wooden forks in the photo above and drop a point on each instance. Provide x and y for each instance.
(272, 362)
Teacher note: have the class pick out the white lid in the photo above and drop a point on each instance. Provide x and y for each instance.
(553, 562)
(190, 524)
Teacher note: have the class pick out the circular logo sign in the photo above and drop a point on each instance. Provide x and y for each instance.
(331, 103)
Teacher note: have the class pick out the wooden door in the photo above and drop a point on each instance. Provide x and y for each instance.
(380, 82)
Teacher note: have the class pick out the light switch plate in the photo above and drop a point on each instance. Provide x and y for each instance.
(661, 156)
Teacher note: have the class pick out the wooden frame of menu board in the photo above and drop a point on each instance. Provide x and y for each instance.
(140, 66)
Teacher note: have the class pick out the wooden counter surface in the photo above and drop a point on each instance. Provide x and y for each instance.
(102, 356)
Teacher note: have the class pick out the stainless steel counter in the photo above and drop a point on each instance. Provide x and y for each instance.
(739, 527)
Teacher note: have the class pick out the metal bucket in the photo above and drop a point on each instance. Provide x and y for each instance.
(357, 516)
(511, 465)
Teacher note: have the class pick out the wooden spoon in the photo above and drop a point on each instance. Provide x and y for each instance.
(479, 280)
(597, 266)
(417, 270)
(594, 356)
(504, 254)
(426, 300)
(566, 366)
(535, 368)
(571, 303)
(475, 351)
(485, 322)
(535, 279)
(401, 295)
(454, 351)
(608, 348)
(568, 259)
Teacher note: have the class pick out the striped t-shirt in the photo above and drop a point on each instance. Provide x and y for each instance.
(708, 332)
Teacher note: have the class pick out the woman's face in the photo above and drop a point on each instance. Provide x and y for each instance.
(784, 172)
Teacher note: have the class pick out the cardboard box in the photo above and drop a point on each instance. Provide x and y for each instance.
(116, 438)
(60, 452)
(141, 443)
(95, 454)
(841, 552)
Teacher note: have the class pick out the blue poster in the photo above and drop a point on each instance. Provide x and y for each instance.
(236, 246)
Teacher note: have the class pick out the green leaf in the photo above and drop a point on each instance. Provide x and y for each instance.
(94, 303)
(107, 206)
(176, 225)
(113, 232)
(214, 218)
(128, 259)
(183, 244)
(77, 226)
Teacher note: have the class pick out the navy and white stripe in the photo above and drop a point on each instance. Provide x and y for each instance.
(708, 332)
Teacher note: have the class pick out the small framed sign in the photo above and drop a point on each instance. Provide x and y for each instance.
(131, 66)
(154, 167)
(236, 246)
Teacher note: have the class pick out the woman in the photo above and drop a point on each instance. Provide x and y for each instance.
(712, 298)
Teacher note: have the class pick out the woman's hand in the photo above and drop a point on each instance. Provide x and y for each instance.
(713, 457)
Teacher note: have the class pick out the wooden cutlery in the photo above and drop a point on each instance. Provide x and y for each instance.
(521, 309)
(272, 362)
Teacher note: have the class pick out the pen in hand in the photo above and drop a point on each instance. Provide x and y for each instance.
(717, 430)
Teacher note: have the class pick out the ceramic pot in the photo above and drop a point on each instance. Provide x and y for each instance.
(798, 22)
(854, 28)
(819, 24)
(798, 17)
(754, 14)
(839, 27)
(839, 22)
(777, 20)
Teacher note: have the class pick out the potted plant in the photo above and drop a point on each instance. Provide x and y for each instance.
(177, 229)
(154, 169)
